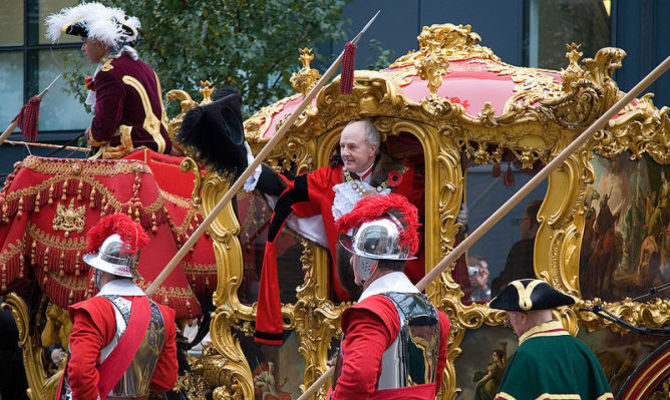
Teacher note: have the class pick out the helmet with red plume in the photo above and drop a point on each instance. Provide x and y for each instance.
(116, 241)
(385, 227)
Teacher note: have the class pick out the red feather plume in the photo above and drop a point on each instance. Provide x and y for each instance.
(132, 234)
(372, 207)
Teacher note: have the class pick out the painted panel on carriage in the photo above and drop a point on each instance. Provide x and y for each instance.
(486, 351)
(626, 247)
(482, 365)
(620, 355)
(277, 370)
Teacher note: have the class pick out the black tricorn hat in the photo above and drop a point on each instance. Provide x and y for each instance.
(216, 133)
(80, 28)
(528, 295)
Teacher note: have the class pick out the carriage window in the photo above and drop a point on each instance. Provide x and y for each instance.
(553, 24)
(505, 252)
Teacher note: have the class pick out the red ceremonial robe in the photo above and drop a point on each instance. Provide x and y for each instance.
(93, 328)
(369, 328)
(313, 194)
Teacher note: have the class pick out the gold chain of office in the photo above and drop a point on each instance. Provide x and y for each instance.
(358, 187)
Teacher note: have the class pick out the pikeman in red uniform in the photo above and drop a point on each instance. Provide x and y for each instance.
(395, 340)
(125, 92)
(122, 344)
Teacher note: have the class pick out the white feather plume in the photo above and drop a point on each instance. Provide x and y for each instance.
(102, 23)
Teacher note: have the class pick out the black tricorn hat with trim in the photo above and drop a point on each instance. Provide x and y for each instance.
(216, 133)
(528, 295)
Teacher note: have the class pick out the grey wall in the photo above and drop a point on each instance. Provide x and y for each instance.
(499, 23)
(642, 28)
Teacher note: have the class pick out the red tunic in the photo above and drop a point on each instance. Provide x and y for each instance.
(321, 197)
(369, 328)
(93, 328)
(128, 93)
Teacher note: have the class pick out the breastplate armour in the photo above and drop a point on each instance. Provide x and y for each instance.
(135, 381)
(412, 357)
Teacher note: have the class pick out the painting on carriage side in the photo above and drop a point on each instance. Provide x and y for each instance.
(277, 370)
(620, 355)
(482, 365)
(625, 249)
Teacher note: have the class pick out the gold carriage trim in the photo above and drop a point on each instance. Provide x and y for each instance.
(644, 382)
(256, 126)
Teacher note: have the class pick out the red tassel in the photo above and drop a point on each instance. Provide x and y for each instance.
(347, 75)
(27, 119)
(496, 171)
(508, 179)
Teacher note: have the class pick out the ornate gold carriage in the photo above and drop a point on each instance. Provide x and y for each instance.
(457, 110)
(461, 107)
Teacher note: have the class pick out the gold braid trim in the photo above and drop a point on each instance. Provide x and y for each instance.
(53, 241)
(13, 250)
(68, 280)
(180, 293)
(199, 269)
(525, 303)
(151, 122)
(44, 165)
(181, 202)
(164, 117)
(99, 187)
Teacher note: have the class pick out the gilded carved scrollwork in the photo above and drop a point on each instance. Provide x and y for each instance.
(452, 42)
(237, 381)
(638, 128)
(317, 320)
(562, 221)
(40, 385)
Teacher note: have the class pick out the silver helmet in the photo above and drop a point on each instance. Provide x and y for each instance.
(112, 259)
(378, 239)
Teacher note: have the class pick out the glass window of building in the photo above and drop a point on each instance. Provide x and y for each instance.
(554, 23)
(28, 64)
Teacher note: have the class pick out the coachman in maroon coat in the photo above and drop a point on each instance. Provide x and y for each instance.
(125, 92)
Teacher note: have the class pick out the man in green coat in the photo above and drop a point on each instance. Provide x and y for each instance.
(549, 364)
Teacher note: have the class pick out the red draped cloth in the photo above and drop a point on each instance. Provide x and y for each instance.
(47, 205)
